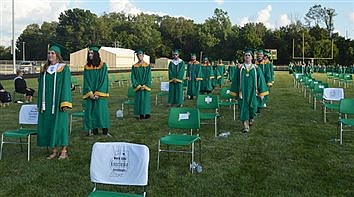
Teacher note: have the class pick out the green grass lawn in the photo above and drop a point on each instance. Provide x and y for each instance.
(288, 152)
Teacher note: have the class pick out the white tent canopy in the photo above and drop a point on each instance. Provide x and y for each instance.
(115, 58)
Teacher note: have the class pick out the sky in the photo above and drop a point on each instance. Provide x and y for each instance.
(272, 13)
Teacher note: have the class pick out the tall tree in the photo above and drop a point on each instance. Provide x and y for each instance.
(76, 29)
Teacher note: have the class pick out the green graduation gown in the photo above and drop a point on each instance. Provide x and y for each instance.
(266, 69)
(231, 70)
(246, 86)
(175, 76)
(207, 76)
(96, 111)
(141, 82)
(193, 75)
(53, 123)
(221, 70)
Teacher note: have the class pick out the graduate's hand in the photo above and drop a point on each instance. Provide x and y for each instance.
(92, 96)
(64, 108)
(188, 78)
(262, 97)
(96, 97)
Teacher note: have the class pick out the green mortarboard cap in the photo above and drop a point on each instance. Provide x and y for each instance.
(193, 54)
(249, 50)
(205, 58)
(139, 51)
(267, 53)
(53, 46)
(176, 51)
(260, 51)
(94, 47)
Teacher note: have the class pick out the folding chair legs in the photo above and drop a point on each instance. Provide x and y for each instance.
(324, 114)
(158, 155)
(2, 143)
(192, 156)
(215, 127)
(28, 147)
(341, 134)
(156, 100)
(71, 123)
(234, 111)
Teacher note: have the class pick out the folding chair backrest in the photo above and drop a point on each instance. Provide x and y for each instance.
(333, 94)
(346, 106)
(164, 86)
(207, 102)
(28, 115)
(225, 93)
(119, 163)
(183, 118)
(131, 92)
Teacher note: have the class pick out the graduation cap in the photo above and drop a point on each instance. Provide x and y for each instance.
(206, 58)
(260, 51)
(58, 48)
(193, 55)
(176, 51)
(249, 50)
(139, 52)
(266, 53)
(94, 47)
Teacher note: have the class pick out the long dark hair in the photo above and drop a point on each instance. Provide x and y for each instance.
(59, 58)
(96, 60)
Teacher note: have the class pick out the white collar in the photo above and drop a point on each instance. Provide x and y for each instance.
(52, 68)
(176, 62)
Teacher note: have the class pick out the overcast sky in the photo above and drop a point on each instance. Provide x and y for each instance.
(273, 14)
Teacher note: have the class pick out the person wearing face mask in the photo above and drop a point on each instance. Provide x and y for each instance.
(193, 76)
(175, 75)
(248, 84)
(141, 82)
(54, 98)
(95, 93)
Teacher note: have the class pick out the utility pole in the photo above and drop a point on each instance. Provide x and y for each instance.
(23, 51)
(13, 37)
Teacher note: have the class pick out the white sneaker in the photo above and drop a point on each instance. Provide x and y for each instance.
(265, 105)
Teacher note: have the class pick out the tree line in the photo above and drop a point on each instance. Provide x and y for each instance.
(159, 35)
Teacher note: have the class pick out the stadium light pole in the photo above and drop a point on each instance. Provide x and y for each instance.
(13, 36)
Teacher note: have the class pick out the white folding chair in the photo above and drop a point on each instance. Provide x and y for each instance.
(28, 116)
(331, 98)
(119, 163)
(164, 87)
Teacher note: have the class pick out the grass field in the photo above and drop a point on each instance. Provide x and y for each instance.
(288, 152)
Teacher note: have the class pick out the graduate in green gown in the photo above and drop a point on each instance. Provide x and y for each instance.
(54, 98)
(264, 65)
(95, 93)
(141, 82)
(231, 70)
(207, 77)
(247, 85)
(221, 70)
(193, 76)
(176, 70)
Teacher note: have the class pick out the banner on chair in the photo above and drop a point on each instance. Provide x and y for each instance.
(119, 163)
(165, 86)
(28, 114)
(334, 94)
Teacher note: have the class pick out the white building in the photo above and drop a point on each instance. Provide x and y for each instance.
(115, 58)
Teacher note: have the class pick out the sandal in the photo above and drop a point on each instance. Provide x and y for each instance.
(53, 155)
(63, 154)
(251, 122)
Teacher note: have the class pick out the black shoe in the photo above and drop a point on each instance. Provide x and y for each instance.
(95, 131)
(105, 131)
(147, 116)
(191, 98)
(141, 117)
